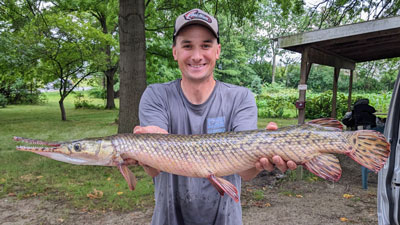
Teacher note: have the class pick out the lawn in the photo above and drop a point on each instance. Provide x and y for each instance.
(25, 175)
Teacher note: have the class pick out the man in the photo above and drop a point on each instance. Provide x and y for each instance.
(198, 104)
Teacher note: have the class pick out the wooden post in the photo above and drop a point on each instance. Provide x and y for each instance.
(304, 71)
(350, 91)
(334, 94)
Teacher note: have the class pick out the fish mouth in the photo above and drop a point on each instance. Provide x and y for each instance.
(52, 150)
(50, 146)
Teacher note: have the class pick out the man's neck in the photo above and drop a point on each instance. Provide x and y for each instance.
(197, 92)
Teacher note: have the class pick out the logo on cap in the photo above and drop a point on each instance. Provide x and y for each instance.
(195, 14)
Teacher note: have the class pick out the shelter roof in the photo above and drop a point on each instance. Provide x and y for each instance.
(359, 42)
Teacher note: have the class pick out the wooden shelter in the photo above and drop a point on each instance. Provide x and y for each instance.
(342, 47)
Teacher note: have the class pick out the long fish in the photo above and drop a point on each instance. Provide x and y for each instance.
(216, 155)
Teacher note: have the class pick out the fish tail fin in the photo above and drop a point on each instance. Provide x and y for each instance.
(369, 148)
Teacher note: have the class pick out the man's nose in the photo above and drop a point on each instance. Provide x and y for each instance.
(197, 55)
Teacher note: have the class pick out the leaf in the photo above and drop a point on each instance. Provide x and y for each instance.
(27, 177)
(344, 219)
(120, 193)
(108, 179)
(96, 194)
(348, 196)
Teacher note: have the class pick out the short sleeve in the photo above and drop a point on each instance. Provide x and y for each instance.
(245, 116)
(153, 108)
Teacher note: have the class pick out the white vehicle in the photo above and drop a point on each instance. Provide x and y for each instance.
(389, 176)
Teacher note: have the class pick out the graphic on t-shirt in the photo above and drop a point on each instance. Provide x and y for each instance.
(216, 125)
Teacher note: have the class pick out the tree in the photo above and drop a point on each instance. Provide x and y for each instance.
(132, 62)
(106, 15)
(70, 52)
(329, 13)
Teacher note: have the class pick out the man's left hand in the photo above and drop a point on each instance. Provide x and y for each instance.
(266, 164)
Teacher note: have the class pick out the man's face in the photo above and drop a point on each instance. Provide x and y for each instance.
(196, 52)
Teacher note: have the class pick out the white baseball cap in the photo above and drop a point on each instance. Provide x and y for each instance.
(197, 16)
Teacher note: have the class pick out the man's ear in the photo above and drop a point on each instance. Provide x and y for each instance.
(218, 51)
(174, 53)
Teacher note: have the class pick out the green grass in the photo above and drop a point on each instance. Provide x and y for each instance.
(27, 175)
(262, 122)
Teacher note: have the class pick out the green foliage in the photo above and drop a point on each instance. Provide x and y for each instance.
(380, 101)
(19, 91)
(276, 102)
(320, 105)
(81, 102)
(3, 101)
(258, 195)
(97, 92)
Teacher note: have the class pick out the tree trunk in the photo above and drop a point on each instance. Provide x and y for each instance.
(110, 88)
(274, 53)
(62, 108)
(273, 67)
(132, 62)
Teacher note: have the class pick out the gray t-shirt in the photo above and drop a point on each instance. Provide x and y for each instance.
(187, 200)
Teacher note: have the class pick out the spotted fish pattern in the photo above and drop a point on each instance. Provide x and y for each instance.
(312, 145)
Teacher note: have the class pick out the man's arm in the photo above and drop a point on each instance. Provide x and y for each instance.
(153, 118)
(149, 129)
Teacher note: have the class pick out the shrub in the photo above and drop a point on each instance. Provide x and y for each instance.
(21, 92)
(276, 102)
(97, 92)
(3, 101)
(320, 105)
(81, 102)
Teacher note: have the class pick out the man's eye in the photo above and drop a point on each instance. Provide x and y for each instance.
(186, 46)
(206, 46)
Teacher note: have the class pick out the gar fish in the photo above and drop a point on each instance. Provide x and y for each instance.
(215, 155)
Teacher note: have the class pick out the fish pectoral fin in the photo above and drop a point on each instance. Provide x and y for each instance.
(128, 175)
(325, 166)
(224, 186)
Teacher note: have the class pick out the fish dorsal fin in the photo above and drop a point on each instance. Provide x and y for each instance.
(128, 175)
(325, 166)
(326, 124)
(224, 186)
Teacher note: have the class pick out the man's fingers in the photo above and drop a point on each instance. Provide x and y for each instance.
(149, 129)
(136, 129)
(272, 126)
(279, 163)
(291, 165)
(266, 164)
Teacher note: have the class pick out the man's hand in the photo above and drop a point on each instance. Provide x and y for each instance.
(149, 129)
(265, 164)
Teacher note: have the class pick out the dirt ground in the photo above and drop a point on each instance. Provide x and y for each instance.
(265, 200)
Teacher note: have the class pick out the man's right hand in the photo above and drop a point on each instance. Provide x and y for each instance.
(149, 129)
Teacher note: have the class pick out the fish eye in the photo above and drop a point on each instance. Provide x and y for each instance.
(77, 147)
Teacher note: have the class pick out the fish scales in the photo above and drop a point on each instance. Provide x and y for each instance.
(226, 153)
(216, 155)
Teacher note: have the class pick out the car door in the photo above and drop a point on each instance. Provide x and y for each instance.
(389, 176)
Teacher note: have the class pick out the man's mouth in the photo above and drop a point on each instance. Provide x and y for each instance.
(197, 65)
